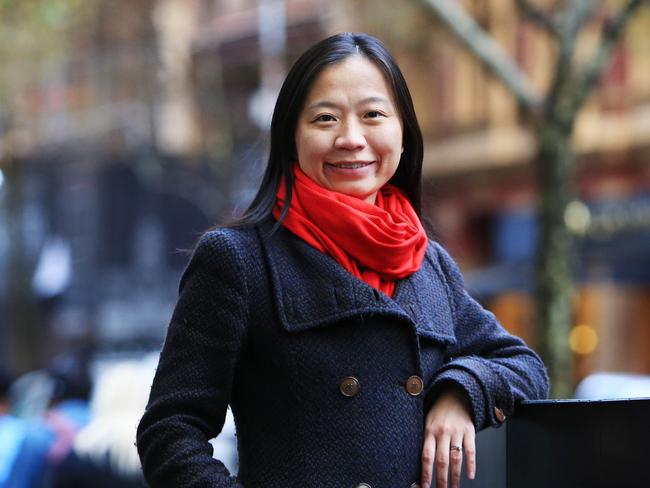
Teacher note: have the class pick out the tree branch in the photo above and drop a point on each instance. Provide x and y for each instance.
(539, 17)
(610, 36)
(577, 13)
(486, 50)
(574, 16)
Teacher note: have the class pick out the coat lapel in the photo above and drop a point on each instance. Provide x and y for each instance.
(312, 290)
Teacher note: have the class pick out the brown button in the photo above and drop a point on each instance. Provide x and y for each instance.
(498, 413)
(349, 387)
(414, 385)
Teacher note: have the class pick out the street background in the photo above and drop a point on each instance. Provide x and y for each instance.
(129, 128)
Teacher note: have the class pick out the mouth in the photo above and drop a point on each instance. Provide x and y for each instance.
(351, 164)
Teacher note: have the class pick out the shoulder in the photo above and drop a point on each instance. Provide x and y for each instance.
(441, 259)
(226, 243)
(225, 251)
(226, 237)
(437, 252)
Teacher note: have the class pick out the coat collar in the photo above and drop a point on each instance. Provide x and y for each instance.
(312, 290)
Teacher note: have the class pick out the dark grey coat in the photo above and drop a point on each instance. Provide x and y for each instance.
(272, 326)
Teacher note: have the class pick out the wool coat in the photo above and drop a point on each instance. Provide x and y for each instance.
(320, 369)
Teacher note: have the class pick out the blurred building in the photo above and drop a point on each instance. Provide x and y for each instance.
(106, 187)
(153, 126)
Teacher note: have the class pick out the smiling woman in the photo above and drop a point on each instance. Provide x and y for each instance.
(339, 334)
(349, 134)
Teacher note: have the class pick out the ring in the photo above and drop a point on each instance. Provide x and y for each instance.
(456, 448)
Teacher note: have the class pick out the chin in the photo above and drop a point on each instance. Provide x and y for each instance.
(361, 195)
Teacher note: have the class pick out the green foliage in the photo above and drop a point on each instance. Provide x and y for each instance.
(32, 31)
(38, 27)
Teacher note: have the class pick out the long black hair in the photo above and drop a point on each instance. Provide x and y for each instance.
(290, 102)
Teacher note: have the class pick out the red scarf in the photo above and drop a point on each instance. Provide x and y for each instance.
(377, 243)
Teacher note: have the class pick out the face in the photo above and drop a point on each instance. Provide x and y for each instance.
(349, 132)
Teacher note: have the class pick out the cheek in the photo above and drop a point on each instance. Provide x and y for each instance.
(388, 140)
(389, 146)
(310, 155)
(309, 147)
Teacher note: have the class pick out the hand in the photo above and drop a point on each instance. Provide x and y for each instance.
(448, 423)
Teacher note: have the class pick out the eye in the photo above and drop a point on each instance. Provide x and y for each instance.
(374, 114)
(325, 118)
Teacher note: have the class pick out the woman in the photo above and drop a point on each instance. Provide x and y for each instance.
(340, 336)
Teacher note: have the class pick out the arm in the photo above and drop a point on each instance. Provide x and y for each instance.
(487, 372)
(192, 386)
(495, 369)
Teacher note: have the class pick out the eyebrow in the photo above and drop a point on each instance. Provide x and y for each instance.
(329, 104)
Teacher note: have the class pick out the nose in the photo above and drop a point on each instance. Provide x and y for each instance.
(351, 137)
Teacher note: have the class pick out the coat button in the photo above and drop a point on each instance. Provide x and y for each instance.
(414, 385)
(349, 387)
(363, 485)
(498, 413)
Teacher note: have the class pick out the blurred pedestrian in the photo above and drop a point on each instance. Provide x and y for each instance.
(69, 410)
(11, 430)
(24, 444)
(341, 336)
(104, 453)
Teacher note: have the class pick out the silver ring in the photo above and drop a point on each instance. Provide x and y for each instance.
(456, 448)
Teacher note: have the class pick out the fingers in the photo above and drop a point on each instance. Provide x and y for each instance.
(446, 453)
(428, 458)
(442, 463)
(455, 460)
(469, 444)
(436, 453)
(448, 437)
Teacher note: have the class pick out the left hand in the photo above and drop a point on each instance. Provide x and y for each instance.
(448, 424)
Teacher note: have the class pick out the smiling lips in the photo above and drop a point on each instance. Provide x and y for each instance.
(351, 164)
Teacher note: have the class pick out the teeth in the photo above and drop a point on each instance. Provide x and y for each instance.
(352, 165)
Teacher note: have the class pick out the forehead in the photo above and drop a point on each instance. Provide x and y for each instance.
(355, 75)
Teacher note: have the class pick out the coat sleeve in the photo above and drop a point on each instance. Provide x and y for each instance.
(494, 368)
(192, 386)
